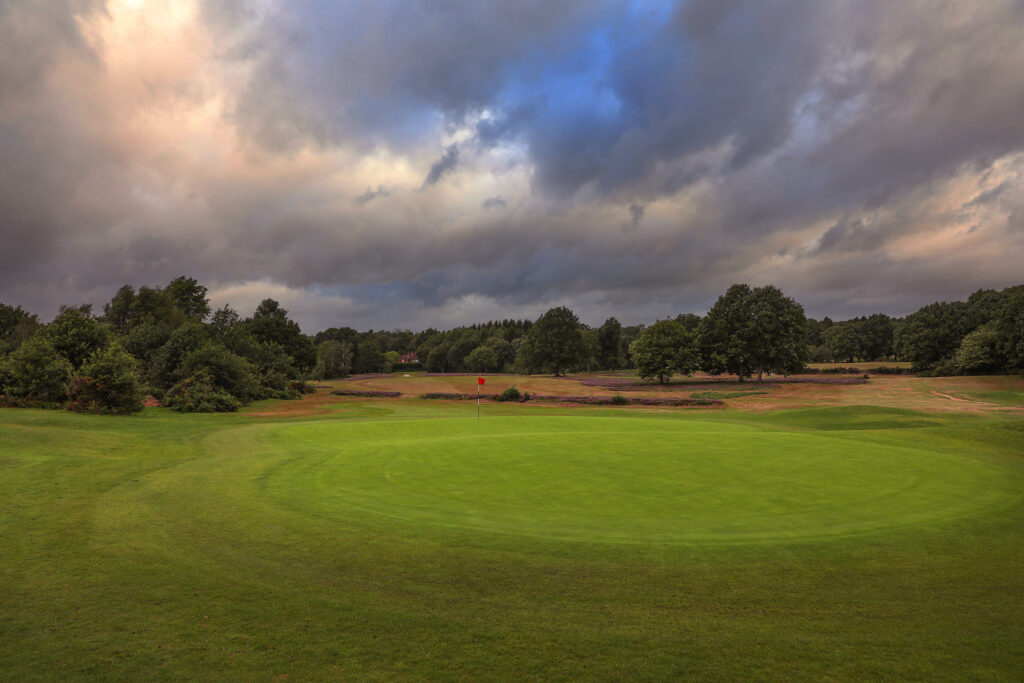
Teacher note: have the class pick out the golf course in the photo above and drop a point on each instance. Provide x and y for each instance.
(350, 538)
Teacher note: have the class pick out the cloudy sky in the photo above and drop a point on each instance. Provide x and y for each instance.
(402, 164)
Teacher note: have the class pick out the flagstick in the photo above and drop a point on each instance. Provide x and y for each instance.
(478, 400)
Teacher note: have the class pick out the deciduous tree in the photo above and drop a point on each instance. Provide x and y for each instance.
(662, 350)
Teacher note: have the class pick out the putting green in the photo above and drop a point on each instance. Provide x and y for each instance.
(622, 480)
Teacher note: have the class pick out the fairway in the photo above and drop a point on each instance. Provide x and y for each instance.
(616, 480)
(407, 540)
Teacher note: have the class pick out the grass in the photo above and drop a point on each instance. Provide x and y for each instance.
(401, 540)
(1012, 398)
(734, 393)
(865, 365)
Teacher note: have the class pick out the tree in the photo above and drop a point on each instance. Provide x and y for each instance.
(482, 359)
(690, 321)
(333, 359)
(503, 351)
(554, 341)
(36, 372)
(16, 325)
(106, 383)
(844, 341)
(225, 371)
(751, 331)
(371, 358)
(662, 350)
(932, 334)
(223, 320)
(459, 349)
(270, 323)
(609, 344)
(1008, 325)
(978, 352)
(190, 297)
(117, 313)
(169, 357)
(437, 360)
(76, 335)
(876, 333)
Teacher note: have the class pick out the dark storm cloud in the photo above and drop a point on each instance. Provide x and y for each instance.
(636, 214)
(442, 166)
(371, 194)
(382, 71)
(832, 148)
(41, 156)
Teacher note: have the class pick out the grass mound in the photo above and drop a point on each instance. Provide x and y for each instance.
(594, 479)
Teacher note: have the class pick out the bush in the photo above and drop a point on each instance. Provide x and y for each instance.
(106, 383)
(226, 372)
(510, 394)
(620, 400)
(300, 386)
(525, 398)
(76, 335)
(35, 374)
(198, 394)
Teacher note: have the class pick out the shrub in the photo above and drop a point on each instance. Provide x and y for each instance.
(510, 394)
(198, 394)
(76, 335)
(106, 383)
(620, 400)
(35, 374)
(525, 398)
(301, 386)
(226, 372)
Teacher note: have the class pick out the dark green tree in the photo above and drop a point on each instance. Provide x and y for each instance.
(459, 349)
(482, 359)
(190, 297)
(845, 341)
(167, 360)
(690, 321)
(76, 335)
(932, 334)
(609, 344)
(106, 383)
(555, 342)
(226, 371)
(270, 323)
(371, 357)
(16, 325)
(36, 372)
(876, 333)
(751, 331)
(223, 320)
(662, 350)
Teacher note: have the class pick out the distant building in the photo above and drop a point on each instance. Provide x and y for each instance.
(410, 357)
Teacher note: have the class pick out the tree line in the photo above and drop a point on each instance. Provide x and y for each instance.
(168, 343)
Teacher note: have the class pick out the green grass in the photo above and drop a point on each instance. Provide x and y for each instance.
(865, 365)
(411, 541)
(1011, 398)
(738, 393)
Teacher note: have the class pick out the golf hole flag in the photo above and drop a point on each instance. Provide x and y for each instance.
(479, 381)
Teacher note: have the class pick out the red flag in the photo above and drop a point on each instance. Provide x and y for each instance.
(480, 381)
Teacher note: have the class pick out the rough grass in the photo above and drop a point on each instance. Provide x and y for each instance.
(405, 540)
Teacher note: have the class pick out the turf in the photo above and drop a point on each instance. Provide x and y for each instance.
(409, 541)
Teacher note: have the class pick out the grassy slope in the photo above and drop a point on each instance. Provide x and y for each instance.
(198, 547)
